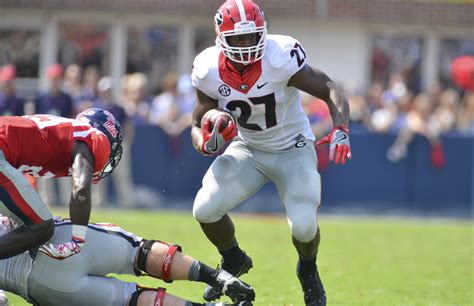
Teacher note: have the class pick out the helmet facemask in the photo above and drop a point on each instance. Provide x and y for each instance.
(115, 157)
(243, 55)
(250, 19)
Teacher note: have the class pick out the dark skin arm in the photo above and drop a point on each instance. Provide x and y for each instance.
(318, 84)
(204, 104)
(82, 172)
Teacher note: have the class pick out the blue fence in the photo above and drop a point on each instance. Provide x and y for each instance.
(368, 183)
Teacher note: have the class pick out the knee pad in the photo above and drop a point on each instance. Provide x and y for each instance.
(304, 229)
(145, 247)
(206, 208)
(159, 298)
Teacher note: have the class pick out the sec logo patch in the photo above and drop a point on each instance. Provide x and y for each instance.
(224, 90)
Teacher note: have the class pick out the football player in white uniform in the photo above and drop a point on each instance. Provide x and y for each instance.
(256, 77)
(81, 279)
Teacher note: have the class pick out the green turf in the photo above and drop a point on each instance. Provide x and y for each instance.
(363, 261)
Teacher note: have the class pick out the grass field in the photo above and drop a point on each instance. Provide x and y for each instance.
(362, 261)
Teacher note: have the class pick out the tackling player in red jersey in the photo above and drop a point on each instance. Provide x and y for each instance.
(87, 148)
(257, 77)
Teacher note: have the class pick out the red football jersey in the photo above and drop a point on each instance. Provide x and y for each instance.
(41, 145)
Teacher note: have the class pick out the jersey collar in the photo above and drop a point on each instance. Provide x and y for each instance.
(242, 82)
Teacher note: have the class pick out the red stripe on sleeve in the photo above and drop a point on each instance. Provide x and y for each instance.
(18, 199)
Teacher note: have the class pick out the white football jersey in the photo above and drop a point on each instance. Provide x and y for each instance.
(269, 113)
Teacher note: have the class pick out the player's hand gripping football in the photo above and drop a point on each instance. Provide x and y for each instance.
(339, 145)
(216, 132)
(64, 250)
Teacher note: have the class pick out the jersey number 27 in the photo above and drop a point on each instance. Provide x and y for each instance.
(245, 111)
(268, 100)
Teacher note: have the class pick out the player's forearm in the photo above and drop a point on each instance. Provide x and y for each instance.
(338, 105)
(80, 207)
(82, 168)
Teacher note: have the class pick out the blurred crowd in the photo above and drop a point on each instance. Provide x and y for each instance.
(391, 108)
(72, 89)
(395, 109)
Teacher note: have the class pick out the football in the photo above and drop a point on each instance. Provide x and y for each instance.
(213, 114)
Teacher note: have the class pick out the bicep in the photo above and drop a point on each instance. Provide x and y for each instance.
(311, 81)
(204, 103)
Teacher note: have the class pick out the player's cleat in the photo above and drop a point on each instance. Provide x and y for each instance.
(234, 288)
(211, 293)
(313, 289)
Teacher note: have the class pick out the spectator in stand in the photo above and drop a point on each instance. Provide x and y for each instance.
(382, 115)
(445, 114)
(54, 101)
(185, 102)
(10, 103)
(123, 98)
(122, 176)
(106, 101)
(89, 93)
(465, 122)
(72, 82)
(383, 119)
(137, 104)
(434, 91)
(163, 107)
(360, 113)
(396, 89)
(172, 109)
(394, 104)
(374, 96)
(418, 122)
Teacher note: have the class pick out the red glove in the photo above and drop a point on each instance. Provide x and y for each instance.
(339, 144)
(214, 137)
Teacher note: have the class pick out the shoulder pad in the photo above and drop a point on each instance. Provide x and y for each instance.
(284, 57)
(203, 62)
(278, 49)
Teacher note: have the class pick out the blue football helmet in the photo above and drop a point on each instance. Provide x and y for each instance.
(105, 122)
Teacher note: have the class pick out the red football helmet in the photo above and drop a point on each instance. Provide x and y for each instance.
(238, 17)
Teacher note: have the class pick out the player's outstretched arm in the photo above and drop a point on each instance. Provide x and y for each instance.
(318, 84)
(167, 262)
(79, 204)
(82, 172)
